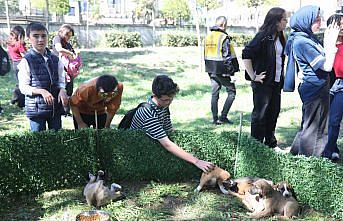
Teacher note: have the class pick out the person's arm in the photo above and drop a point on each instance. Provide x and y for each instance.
(229, 55)
(60, 49)
(62, 96)
(179, 152)
(109, 119)
(330, 49)
(249, 69)
(112, 108)
(76, 114)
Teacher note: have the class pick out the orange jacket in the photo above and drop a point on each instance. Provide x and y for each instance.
(87, 99)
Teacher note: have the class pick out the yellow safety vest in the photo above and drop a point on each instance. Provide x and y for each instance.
(214, 61)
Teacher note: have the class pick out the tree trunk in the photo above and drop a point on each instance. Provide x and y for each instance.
(7, 17)
(47, 14)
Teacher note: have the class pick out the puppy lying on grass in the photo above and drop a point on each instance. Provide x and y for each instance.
(97, 194)
(240, 188)
(274, 202)
(216, 176)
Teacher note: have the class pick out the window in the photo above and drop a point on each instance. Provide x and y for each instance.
(71, 11)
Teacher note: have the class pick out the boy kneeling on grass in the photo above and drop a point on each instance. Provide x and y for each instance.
(155, 121)
(42, 81)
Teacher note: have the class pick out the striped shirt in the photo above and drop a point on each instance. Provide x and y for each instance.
(155, 121)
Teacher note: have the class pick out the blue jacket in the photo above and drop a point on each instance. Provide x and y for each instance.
(305, 52)
(43, 75)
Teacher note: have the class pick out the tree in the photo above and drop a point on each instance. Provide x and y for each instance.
(256, 4)
(208, 5)
(176, 9)
(60, 7)
(13, 6)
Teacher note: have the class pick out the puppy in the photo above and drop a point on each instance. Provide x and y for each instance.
(285, 189)
(274, 202)
(216, 176)
(240, 188)
(97, 194)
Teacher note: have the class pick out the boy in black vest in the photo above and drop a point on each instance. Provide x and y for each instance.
(42, 81)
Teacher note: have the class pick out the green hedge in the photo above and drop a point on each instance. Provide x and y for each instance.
(38, 162)
(123, 39)
(181, 39)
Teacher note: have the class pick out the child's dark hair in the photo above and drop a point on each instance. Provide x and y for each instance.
(164, 85)
(35, 26)
(335, 17)
(107, 82)
(17, 32)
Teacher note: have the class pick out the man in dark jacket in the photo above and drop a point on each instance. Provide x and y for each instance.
(221, 64)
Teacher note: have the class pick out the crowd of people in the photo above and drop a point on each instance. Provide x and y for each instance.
(45, 81)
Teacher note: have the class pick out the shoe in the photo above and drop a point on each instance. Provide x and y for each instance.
(225, 121)
(282, 151)
(216, 122)
(334, 156)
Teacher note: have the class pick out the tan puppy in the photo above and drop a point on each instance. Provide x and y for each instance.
(240, 189)
(274, 202)
(97, 194)
(216, 176)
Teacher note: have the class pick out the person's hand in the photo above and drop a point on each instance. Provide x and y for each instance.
(62, 97)
(47, 96)
(82, 125)
(330, 37)
(260, 77)
(204, 165)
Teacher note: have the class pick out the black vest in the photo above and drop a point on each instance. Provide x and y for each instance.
(43, 75)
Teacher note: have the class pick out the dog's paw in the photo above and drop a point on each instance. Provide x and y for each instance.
(197, 190)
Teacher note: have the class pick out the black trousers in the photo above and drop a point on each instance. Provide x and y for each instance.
(267, 102)
(313, 134)
(217, 82)
(89, 119)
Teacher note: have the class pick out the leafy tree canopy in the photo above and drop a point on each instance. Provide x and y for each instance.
(176, 9)
(209, 4)
(13, 6)
(59, 7)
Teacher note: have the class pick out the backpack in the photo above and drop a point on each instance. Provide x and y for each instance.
(125, 123)
(5, 64)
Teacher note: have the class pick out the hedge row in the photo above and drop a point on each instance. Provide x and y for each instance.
(119, 39)
(38, 162)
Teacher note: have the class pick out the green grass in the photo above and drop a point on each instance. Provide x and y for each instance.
(190, 111)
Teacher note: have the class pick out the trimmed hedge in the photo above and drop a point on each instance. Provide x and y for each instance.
(181, 39)
(119, 39)
(38, 162)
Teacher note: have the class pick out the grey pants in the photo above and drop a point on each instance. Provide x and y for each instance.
(216, 83)
(313, 134)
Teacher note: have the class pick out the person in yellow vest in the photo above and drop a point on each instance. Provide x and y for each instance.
(220, 64)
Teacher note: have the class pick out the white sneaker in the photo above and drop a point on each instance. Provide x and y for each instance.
(334, 156)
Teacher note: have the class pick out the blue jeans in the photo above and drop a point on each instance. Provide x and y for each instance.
(39, 123)
(335, 118)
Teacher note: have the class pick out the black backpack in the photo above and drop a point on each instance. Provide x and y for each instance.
(5, 64)
(125, 123)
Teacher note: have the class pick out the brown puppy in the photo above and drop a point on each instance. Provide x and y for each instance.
(285, 189)
(274, 202)
(240, 189)
(216, 176)
(97, 194)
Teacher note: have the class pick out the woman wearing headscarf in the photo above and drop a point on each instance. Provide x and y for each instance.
(315, 63)
(263, 59)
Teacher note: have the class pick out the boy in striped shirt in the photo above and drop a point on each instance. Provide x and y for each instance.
(155, 121)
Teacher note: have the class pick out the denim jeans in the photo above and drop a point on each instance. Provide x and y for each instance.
(216, 83)
(39, 123)
(335, 118)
